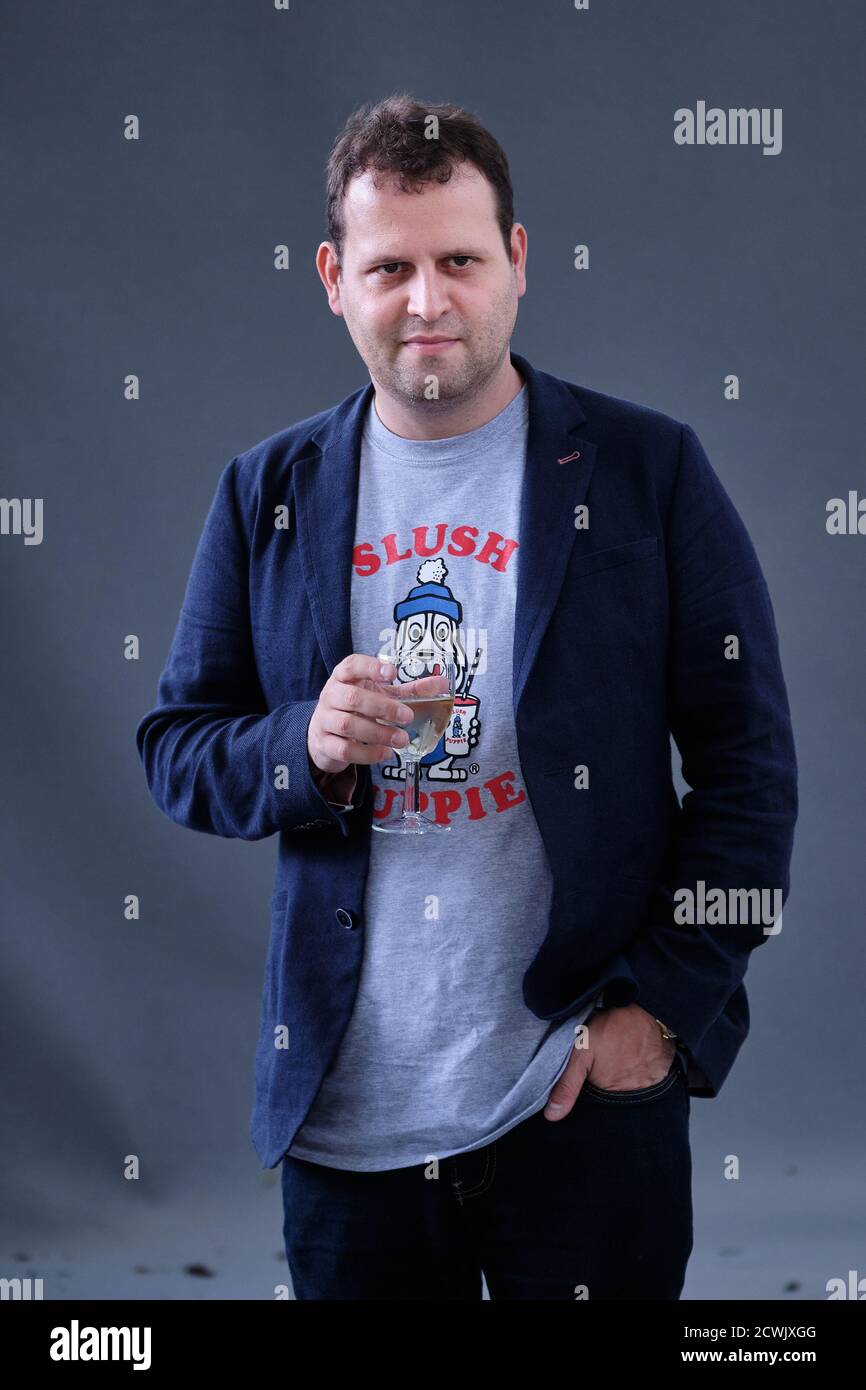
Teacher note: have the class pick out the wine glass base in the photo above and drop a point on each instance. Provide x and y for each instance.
(412, 824)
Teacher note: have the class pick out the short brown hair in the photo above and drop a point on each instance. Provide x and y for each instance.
(388, 138)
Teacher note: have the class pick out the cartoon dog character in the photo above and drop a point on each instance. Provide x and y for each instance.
(428, 634)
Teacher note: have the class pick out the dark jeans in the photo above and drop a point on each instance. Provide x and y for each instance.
(597, 1205)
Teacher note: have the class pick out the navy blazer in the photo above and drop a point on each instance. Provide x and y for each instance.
(619, 642)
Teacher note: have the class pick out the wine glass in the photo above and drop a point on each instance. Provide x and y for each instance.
(432, 715)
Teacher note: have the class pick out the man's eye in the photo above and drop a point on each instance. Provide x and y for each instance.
(388, 266)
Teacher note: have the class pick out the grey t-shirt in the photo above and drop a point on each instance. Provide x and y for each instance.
(441, 1054)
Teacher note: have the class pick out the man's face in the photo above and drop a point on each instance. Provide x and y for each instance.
(428, 264)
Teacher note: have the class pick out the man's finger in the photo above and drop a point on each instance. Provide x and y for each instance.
(566, 1091)
(559, 1104)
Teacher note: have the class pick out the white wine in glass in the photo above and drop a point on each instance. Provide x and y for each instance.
(431, 716)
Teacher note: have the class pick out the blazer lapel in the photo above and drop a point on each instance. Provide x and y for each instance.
(559, 466)
(326, 502)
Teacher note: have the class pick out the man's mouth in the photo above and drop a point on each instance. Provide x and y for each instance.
(430, 344)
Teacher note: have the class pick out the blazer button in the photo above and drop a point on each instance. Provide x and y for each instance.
(344, 917)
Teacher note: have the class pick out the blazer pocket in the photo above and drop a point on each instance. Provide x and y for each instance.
(643, 549)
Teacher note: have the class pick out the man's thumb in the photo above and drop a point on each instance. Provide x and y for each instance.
(564, 1094)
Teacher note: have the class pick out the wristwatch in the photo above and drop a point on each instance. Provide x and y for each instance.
(666, 1032)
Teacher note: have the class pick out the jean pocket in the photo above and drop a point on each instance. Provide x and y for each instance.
(635, 1097)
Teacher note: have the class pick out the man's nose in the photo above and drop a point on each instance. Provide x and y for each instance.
(428, 300)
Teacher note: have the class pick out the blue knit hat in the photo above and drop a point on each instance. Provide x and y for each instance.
(430, 595)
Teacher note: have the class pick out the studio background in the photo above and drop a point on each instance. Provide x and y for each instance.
(156, 257)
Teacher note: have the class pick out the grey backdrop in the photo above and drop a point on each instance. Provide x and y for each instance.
(155, 257)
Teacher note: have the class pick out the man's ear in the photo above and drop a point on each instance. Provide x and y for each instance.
(330, 274)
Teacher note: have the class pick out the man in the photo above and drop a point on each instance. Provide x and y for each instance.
(477, 1049)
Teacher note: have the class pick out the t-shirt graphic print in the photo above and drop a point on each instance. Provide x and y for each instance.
(428, 634)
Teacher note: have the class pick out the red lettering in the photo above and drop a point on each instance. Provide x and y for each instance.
(496, 551)
(463, 540)
(473, 797)
(448, 802)
(420, 534)
(445, 802)
(390, 544)
(391, 795)
(502, 795)
(491, 547)
(364, 560)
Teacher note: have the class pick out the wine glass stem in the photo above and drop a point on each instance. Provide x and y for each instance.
(411, 790)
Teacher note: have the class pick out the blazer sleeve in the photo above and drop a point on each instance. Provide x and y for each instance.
(732, 725)
(216, 759)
